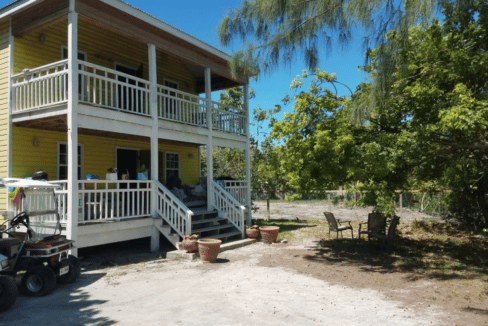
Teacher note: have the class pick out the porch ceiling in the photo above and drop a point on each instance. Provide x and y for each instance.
(59, 124)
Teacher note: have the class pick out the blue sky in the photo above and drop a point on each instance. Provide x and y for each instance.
(201, 18)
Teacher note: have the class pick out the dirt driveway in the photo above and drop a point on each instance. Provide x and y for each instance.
(237, 290)
(292, 283)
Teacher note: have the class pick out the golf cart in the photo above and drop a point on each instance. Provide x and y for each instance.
(32, 243)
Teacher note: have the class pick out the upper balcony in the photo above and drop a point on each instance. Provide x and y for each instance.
(46, 88)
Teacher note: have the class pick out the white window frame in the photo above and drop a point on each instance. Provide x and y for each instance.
(64, 47)
(166, 167)
(81, 159)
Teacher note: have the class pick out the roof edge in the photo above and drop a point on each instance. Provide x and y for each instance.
(16, 6)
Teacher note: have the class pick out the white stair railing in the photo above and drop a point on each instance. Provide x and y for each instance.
(227, 205)
(172, 210)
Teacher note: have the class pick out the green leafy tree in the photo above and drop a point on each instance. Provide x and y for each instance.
(438, 99)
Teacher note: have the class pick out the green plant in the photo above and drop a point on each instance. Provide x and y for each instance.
(142, 169)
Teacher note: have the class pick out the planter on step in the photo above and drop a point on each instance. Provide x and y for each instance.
(252, 231)
(269, 233)
(208, 249)
(190, 243)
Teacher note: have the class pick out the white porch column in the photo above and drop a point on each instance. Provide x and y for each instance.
(153, 104)
(248, 155)
(10, 102)
(71, 229)
(10, 108)
(208, 95)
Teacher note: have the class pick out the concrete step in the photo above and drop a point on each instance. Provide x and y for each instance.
(225, 235)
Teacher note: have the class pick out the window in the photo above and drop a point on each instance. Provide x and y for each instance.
(62, 169)
(171, 103)
(172, 165)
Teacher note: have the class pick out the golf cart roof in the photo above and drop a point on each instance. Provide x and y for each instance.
(25, 183)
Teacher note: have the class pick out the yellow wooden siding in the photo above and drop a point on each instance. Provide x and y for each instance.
(102, 46)
(4, 60)
(99, 154)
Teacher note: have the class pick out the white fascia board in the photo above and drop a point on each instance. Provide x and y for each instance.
(129, 9)
(17, 6)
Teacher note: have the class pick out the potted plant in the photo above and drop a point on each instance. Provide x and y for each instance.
(142, 173)
(269, 233)
(112, 174)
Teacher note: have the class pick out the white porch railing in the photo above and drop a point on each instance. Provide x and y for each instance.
(182, 107)
(40, 87)
(172, 210)
(103, 200)
(238, 190)
(228, 119)
(113, 89)
(228, 206)
(62, 199)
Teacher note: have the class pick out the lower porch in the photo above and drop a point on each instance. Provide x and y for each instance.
(114, 210)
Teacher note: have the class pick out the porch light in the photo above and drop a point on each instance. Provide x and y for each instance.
(41, 38)
(35, 142)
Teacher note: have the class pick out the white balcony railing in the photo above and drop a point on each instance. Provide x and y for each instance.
(40, 87)
(47, 86)
(228, 119)
(112, 89)
(183, 107)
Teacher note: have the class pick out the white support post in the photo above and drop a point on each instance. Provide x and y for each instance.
(208, 94)
(10, 106)
(71, 229)
(153, 105)
(248, 155)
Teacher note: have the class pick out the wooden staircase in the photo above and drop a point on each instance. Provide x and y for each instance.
(208, 224)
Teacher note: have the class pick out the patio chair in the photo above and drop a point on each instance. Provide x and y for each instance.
(334, 225)
(391, 232)
(376, 225)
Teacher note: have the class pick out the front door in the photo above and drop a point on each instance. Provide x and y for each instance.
(127, 163)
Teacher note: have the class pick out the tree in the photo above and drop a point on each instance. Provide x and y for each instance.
(438, 99)
(276, 31)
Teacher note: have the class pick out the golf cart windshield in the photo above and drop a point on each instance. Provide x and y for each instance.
(39, 205)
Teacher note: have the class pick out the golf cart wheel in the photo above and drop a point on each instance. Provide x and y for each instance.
(74, 271)
(8, 293)
(38, 281)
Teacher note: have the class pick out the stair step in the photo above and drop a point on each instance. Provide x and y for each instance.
(207, 220)
(212, 228)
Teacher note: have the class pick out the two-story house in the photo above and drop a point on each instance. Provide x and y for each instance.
(87, 86)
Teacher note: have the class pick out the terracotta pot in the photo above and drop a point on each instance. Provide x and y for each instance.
(269, 233)
(190, 243)
(209, 249)
(252, 231)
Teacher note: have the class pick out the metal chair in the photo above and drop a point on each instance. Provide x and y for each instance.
(334, 225)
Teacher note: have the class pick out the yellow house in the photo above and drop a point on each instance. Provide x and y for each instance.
(92, 86)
